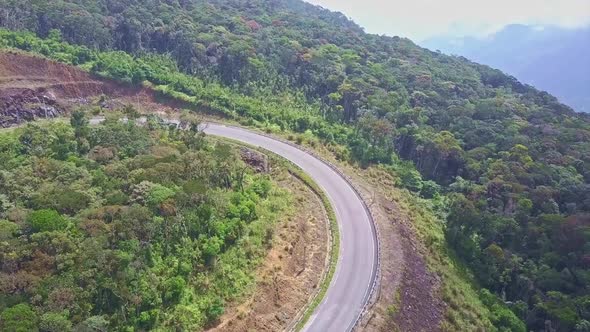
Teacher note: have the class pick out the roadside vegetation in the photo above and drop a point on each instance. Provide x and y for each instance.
(126, 227)
(505, 164)
(468, 307)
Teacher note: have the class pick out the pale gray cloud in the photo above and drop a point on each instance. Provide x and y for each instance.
(420, 19)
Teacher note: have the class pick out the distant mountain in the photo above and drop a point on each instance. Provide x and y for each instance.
(550, 58)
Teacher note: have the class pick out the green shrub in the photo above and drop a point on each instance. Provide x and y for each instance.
(159, 194)
(47, 221)
(55, 322)
(501, 316)
(20, 318)
(7, 230)
(430, 189)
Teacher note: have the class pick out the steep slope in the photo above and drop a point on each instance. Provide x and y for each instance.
(549, 58)
(499, 159)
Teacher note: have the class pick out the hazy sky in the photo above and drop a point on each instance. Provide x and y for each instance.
(420, 19)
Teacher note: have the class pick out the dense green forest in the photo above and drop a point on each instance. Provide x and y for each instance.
(508, 163)
(126, 227)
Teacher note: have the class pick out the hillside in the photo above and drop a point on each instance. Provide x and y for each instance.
(506, 164)
(562, 69)
(35, 88)
(120, 226)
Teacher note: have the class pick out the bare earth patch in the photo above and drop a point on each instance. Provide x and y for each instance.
(420, 306)
(71, 86)
(291, 271)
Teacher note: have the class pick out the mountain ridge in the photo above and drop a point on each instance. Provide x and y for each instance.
(521, 50)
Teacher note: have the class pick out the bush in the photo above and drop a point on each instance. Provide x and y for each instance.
(147, 319)
(214, 310)
(55, 322)
(47, 221)
(20, 318)
(117, 197)
(262, 187)
(7, 230)
(174, 288)
(409, 177)
(94, 324)
(502, 317)
(159, 194)
(430, 189)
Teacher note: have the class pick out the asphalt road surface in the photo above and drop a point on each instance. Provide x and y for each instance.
(356, 269)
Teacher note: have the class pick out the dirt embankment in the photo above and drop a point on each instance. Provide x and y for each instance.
(33, 87)
(21, 71)
(409, 296)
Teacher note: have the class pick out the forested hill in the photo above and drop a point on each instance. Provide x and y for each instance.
(508, 165)
(273, 45)
(521, 50)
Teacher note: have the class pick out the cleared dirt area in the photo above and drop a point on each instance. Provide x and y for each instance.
(33, 88)
(64, 87)
(20, 71)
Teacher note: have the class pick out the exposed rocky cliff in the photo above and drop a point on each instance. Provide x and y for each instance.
(22, 105)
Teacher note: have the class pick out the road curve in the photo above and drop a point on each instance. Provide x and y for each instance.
(357, 264)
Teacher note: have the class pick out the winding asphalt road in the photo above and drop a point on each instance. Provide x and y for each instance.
(357, 264)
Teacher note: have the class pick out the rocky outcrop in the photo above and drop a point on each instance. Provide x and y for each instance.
(22, 105)
(256, 160)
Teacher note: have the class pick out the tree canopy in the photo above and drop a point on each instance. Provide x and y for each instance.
(134, 230)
